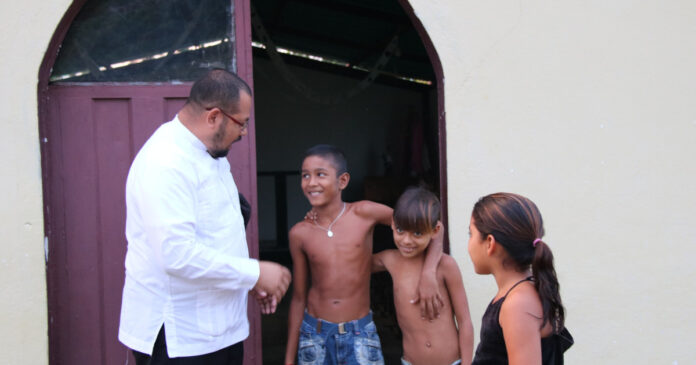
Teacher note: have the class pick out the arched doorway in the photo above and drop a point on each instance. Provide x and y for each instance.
(90, 129)
(361, 75)
(114, 71)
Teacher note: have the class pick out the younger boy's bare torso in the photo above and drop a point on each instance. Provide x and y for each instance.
(424, 342)
(339, 266)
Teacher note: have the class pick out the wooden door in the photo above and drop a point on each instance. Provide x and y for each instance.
(90, 134)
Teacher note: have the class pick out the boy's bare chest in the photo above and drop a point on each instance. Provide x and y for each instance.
(405, 283)
(325, 250)
(406, 279)
(349, 236)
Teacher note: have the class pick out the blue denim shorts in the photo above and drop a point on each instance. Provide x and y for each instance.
(404, 362)
(350, 343)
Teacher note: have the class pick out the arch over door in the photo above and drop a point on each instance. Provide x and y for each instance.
(90, 133)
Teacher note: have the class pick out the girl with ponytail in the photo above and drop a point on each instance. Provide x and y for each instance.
(524, 323)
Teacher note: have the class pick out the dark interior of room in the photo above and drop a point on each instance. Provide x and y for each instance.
(353, 73)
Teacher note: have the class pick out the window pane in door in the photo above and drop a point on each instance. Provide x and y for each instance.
(146, 41)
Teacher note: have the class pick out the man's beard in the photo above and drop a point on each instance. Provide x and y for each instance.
(217, 153)
(217, 138)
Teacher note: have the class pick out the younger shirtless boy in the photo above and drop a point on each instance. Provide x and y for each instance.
(330, 320)
(439, 342)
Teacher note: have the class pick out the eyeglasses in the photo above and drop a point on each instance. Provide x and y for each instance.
(243, 125)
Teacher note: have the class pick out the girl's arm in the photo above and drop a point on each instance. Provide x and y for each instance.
(520, 318)
(460, 306)
(298, 303)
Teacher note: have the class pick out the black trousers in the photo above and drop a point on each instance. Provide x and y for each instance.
(232, 355)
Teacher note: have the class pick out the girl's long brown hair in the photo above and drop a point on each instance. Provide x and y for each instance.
(515, 222)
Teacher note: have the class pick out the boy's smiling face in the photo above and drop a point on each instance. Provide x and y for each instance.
(412, 244)
(319, 181)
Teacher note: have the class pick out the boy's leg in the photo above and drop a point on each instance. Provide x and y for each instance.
(314, 347)
(367, 348)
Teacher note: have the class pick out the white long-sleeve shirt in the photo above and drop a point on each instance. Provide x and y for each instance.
(187, 264)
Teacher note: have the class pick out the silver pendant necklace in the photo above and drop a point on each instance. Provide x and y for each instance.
(329, 232)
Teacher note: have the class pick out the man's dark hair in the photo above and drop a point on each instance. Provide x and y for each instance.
(218, 88)
(329, 152)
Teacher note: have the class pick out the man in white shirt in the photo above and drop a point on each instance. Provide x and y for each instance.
(188, 270)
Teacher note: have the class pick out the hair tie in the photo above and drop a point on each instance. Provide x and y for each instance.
(536, 241)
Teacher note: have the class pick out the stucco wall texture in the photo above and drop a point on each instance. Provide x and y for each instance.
(25, 31)
(585, 107)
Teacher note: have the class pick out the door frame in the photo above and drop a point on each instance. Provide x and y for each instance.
(442, 135)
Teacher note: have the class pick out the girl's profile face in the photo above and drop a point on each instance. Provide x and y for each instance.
(477, 248)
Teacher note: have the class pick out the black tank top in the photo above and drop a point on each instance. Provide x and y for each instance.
(492, 351)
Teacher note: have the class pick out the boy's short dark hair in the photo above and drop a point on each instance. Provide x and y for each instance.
(329, 152)
(417, 210)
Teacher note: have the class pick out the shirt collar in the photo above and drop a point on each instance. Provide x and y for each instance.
(188, 135)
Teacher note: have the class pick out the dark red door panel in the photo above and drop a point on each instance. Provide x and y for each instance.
(94, 133)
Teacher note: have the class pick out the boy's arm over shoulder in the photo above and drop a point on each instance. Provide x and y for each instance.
(460, 306)
(300, 273)
(429, 297)
(377, 212)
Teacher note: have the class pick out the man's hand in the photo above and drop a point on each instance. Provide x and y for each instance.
(267, 303)
(273, 282)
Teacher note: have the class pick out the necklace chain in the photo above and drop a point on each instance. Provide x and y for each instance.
(328, 230)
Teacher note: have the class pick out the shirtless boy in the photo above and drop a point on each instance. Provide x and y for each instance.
(439, 342)
(330, 318)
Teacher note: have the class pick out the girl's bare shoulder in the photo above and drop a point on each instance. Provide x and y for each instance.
(523, 299)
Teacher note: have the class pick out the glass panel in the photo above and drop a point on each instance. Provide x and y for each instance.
(146, 41)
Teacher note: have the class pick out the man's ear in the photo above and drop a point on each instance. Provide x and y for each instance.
(343, 180)
(211, 116)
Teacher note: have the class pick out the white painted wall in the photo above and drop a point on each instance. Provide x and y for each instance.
(25, 30)
(586, 107)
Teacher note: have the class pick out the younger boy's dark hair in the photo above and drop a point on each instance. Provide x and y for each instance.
(329, 152)
(417, 210)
